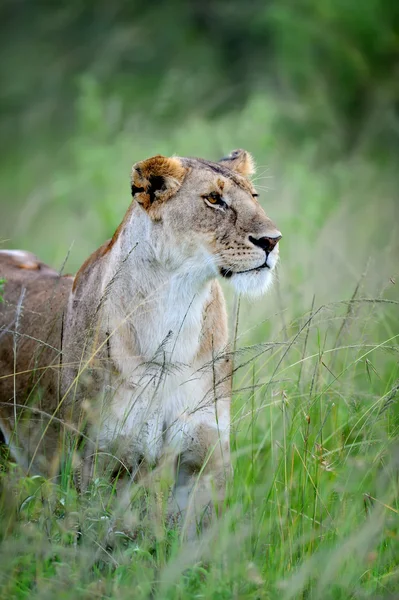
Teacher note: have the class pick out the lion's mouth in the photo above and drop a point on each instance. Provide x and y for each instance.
(227, 273)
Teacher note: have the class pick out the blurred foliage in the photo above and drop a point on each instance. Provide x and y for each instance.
(333, 64)
(311, 87)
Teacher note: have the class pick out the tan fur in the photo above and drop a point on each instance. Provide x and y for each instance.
(133, 351)
(241, 161)
(159, 166)
(92, 260)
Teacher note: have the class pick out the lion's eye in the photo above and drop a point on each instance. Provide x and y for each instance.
(215, 199)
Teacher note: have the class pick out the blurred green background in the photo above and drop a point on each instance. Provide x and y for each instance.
(311, 88)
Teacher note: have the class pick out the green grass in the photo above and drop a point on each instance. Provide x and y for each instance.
(312, 510)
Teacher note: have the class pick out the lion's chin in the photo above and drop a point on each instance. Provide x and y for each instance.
(254, 283)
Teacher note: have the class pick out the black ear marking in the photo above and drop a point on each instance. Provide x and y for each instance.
(231, 156)
(157, 183)
(136, 190)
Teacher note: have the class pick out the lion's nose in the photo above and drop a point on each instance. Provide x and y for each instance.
(266, 243)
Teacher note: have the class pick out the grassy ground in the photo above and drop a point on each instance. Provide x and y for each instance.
(312, 511)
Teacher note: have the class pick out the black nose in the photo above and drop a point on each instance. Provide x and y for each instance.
(266, 243)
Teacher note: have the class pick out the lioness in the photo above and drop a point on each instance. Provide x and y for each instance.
(132, 351)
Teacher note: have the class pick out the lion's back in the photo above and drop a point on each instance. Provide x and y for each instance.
(31, 322)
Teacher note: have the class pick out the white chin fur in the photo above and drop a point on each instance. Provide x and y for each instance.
(252, 284)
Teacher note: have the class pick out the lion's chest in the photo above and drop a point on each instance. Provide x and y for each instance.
(156, 415)
(167, 324)
(160, 387)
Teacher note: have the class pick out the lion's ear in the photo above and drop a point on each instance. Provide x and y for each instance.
(156, 179)
(239, 161)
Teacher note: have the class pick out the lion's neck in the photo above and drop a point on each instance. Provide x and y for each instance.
(155, 296)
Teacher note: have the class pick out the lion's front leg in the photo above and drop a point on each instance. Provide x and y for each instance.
(202, 472)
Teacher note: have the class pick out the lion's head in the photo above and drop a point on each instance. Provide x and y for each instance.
(209, 212)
